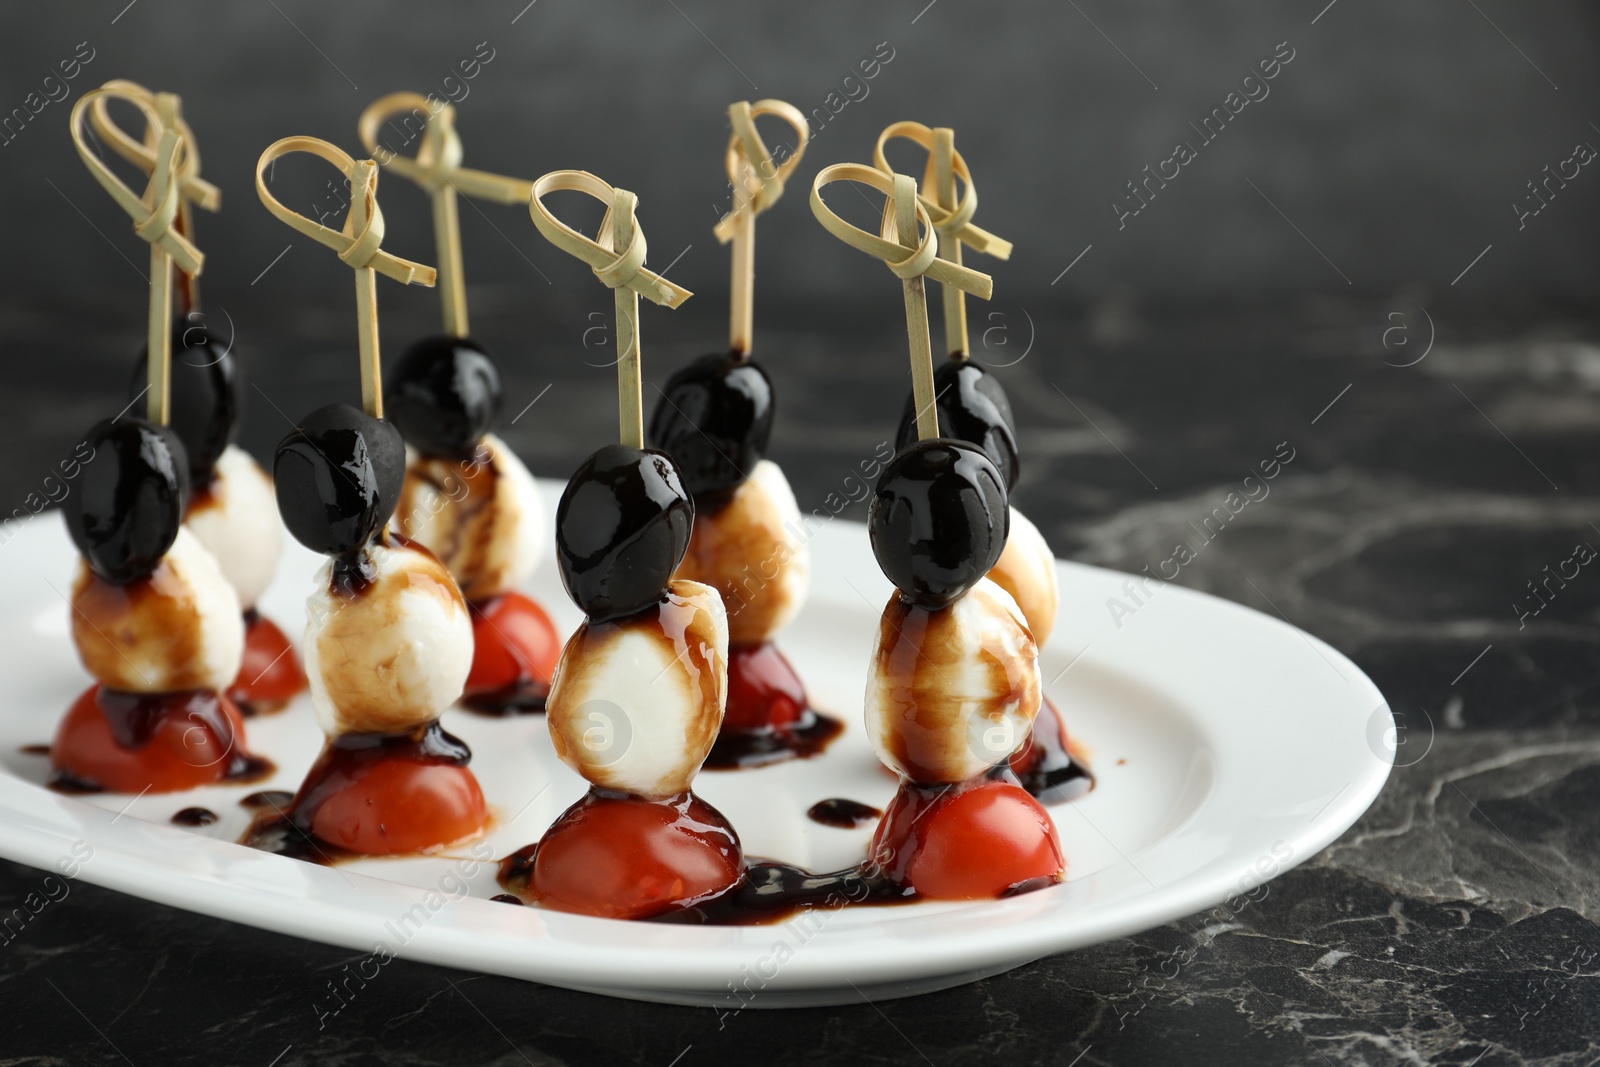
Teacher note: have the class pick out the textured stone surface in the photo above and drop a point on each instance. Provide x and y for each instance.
(1454, 924)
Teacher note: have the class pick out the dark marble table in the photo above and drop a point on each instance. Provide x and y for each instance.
(1455, 922)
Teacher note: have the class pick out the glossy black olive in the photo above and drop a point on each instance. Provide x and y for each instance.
(938, 520)
(338, 478)
(444, 393)
(128, 504)
(206, 388)
(714, 419)
(973, 407)
(622, 528)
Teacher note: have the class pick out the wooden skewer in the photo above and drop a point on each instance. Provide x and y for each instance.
(630, 401)
(153, 214)
(141, 152)
(951, 215)
(617, 259)
(757, 184)
(357, 244)
(955, 301)
(437, 168)
(905, 243)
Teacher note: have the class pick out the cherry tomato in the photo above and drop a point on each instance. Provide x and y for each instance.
(174, 741)
(972, 841)
(270, 674)
(400, 805)
(515, 644)
(623, 857)
(763, 690)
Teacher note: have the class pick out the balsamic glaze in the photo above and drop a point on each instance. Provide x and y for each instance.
(267, 798)
(507, 898)
(715, 420)
(843, 814)
(130, 502)
(744, 749)
(1046, 766)
(35, 750)
(622, 528)
(195, 817)
(526, 696)
(285, 828)
(938, 520)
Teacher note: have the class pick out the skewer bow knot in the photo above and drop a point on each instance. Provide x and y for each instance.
(616, 268)
(141, 152)
(756, 178)
(957, 221)
(358, 242)
(437, 164)
(154, 212)
(910, 252)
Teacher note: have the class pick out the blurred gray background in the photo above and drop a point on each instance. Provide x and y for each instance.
(1388, 152)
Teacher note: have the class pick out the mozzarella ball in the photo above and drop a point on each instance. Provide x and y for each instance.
(1027, 570)
(482, 517)
(636, 703)
(953, 691)
(236, 519)
(750, 551)
(390, 656)
(177, 628)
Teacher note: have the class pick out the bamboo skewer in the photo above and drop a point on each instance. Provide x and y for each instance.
(153, 214)
(950, 216)
(142, 153)
(617, 258)
(357, 245)
(905, 243)
(437, 169)
(757, 183)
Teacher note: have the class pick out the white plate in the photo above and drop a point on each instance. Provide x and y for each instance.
(1228, 745)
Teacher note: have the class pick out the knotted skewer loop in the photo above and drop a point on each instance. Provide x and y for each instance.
(951, 217)
(141, 152)
(357, 245)
(153, 215)
(437, 168)
(757, 183)
(617, 259)
(905, 244)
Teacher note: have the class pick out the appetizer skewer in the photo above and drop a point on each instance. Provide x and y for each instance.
(715, 418)
(467, 496)
(153, 617)
(954, 683)
(972, 406)
(230, 496)
(388, 639)
(639, 693)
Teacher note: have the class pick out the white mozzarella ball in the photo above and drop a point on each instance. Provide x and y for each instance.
(952, 692)
(236, 519)
(1027, 570)
(177, 628)
(394, 654)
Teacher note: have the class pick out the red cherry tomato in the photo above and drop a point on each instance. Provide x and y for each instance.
(971, 842)
(515, 643)
(631, 858)
(270, 674)
(400, 805)
(763, 689)
(174, 741)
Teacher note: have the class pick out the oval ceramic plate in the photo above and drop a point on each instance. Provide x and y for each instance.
(1228, 746)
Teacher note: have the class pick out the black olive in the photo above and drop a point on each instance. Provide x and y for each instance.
(938, 520)
(129, 501)
(622, 527)
(972, 407)
(206, 385)
(338, 478)
(714, 419)
(444, 393)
